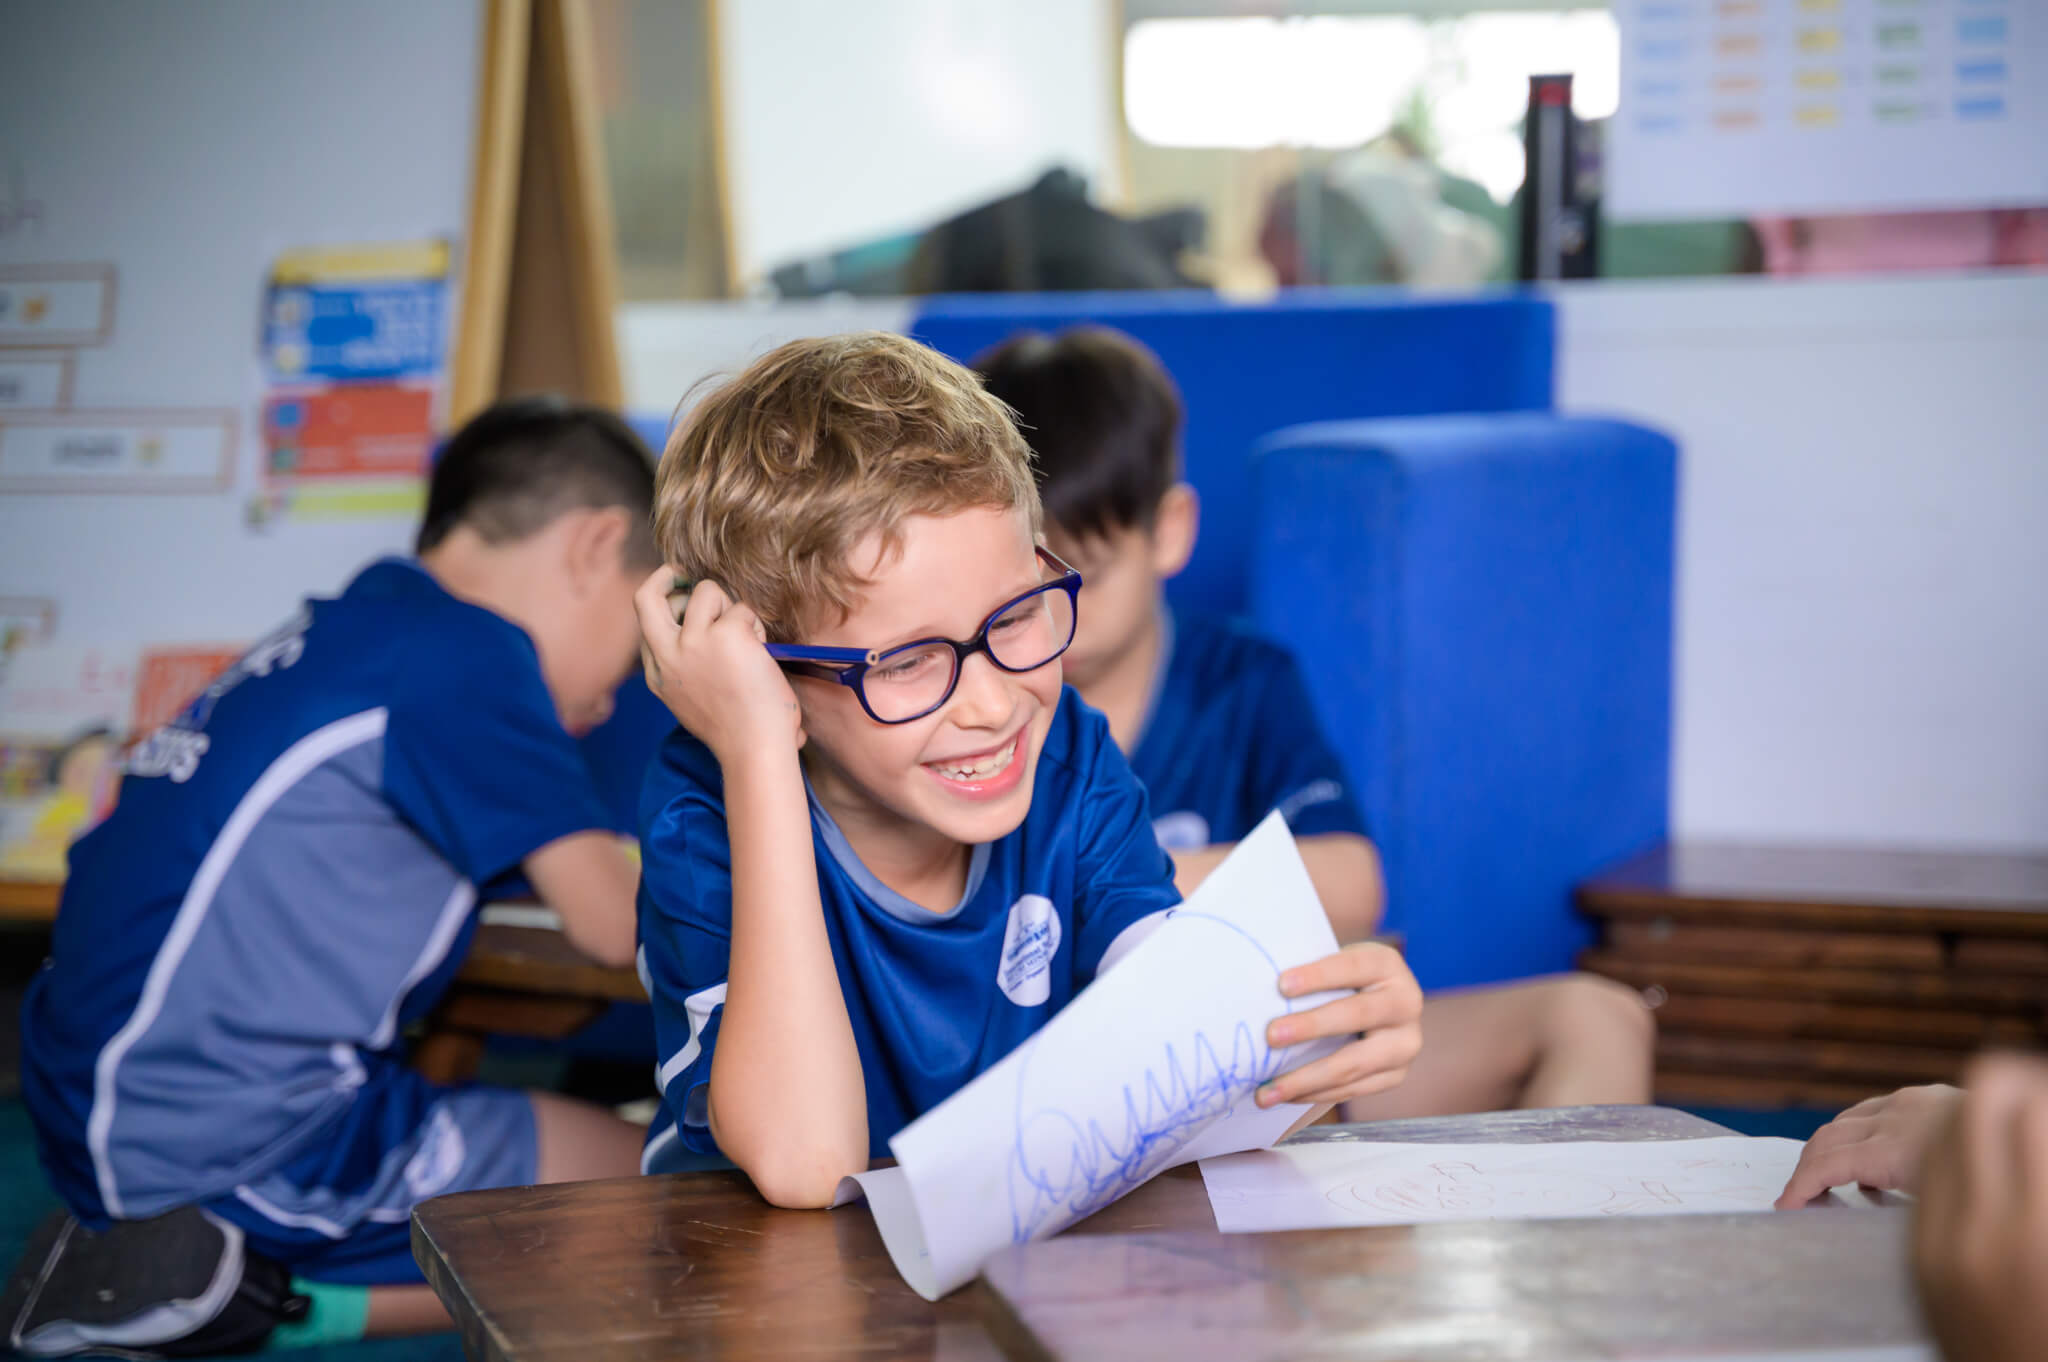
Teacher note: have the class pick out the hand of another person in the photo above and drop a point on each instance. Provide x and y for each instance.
(1878, 1143)
(1980, 1233)
(1383, 1010)
(713, 671)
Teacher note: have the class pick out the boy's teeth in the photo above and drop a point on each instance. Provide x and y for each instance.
(987, 766)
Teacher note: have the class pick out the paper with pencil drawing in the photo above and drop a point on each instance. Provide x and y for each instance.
(1334, 1185)
(1151, 1066)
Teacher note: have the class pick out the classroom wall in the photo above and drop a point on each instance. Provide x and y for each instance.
(846, 122)
(1863, 546)
(186, 146)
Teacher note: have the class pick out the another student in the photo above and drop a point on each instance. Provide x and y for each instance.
(1980, 1234)
(1878, 1143)
(290, 875)
(1220, 729)
(1976, 1159)
(887, 861)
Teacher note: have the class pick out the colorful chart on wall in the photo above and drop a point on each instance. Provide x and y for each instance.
(1744, 108)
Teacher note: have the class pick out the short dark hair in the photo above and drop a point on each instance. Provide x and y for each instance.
(520, 463)
(1102, 419)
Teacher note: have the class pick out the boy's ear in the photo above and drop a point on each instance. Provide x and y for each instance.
(597, 545)
(1174, 530)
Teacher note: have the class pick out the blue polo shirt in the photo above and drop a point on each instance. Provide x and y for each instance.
(934, 998)
(289, 877)
(1229, 736)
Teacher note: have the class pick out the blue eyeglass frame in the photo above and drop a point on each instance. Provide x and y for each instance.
(849, 666)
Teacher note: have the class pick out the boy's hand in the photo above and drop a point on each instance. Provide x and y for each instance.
(712, 671)
(1384, 1011)
(1980, 1233)
(1877, 1143)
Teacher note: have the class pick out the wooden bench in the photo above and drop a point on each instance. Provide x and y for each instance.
(517, 981)
(30, 903)
(1810, 977)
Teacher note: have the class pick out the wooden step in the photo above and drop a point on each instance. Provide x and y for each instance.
(1949, 989)
(1683, 1087)
(1991, 955)
(1890, 1066)
(1706, 943)
(1816, 1019)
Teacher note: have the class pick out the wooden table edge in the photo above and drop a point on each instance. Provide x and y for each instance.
(480, 1341)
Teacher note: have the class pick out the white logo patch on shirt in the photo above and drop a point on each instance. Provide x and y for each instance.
(438, 1159)
(1025, 971)
(1181, 831)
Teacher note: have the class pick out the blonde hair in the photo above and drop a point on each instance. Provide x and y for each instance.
(778, 473)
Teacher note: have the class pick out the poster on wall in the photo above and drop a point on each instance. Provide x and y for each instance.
(68, 716)
(353, 338)
(1752, 108)
(63, 714)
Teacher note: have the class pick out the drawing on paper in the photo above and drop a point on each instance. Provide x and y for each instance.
(1062, 1168)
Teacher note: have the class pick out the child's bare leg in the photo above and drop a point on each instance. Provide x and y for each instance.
(1599, 1045)
(404, 1310)
(576, 1142)
(1569, 1040)
(579, 1142)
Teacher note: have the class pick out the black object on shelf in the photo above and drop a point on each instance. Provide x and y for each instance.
(1560, 211)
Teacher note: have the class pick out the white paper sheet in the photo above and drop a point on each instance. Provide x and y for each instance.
(1151, 1066)
(1335, 1185)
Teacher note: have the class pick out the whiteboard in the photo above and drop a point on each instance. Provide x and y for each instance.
(1740, 108)
(172, 152)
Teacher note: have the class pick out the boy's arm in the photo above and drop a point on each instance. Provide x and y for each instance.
(476, 760)
(785, 1031)
(1343, 866)
(787, 1100)
(590, 879)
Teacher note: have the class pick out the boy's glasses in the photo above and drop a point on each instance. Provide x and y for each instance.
(910, 681)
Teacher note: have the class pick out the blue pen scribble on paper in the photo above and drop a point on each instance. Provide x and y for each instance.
(1062, 1168)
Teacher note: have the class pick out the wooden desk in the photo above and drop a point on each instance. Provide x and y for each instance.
(29, 901)
(517, 981)
(1684, 1286)
(1794, 976)
(698, 1266)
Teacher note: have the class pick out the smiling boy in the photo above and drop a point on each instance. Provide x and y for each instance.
(896, 845)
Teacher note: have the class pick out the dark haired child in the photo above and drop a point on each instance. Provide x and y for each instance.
(290, 877)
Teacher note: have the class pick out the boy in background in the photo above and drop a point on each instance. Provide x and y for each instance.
(1220, 730)
(877, 860)
(290, 877)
